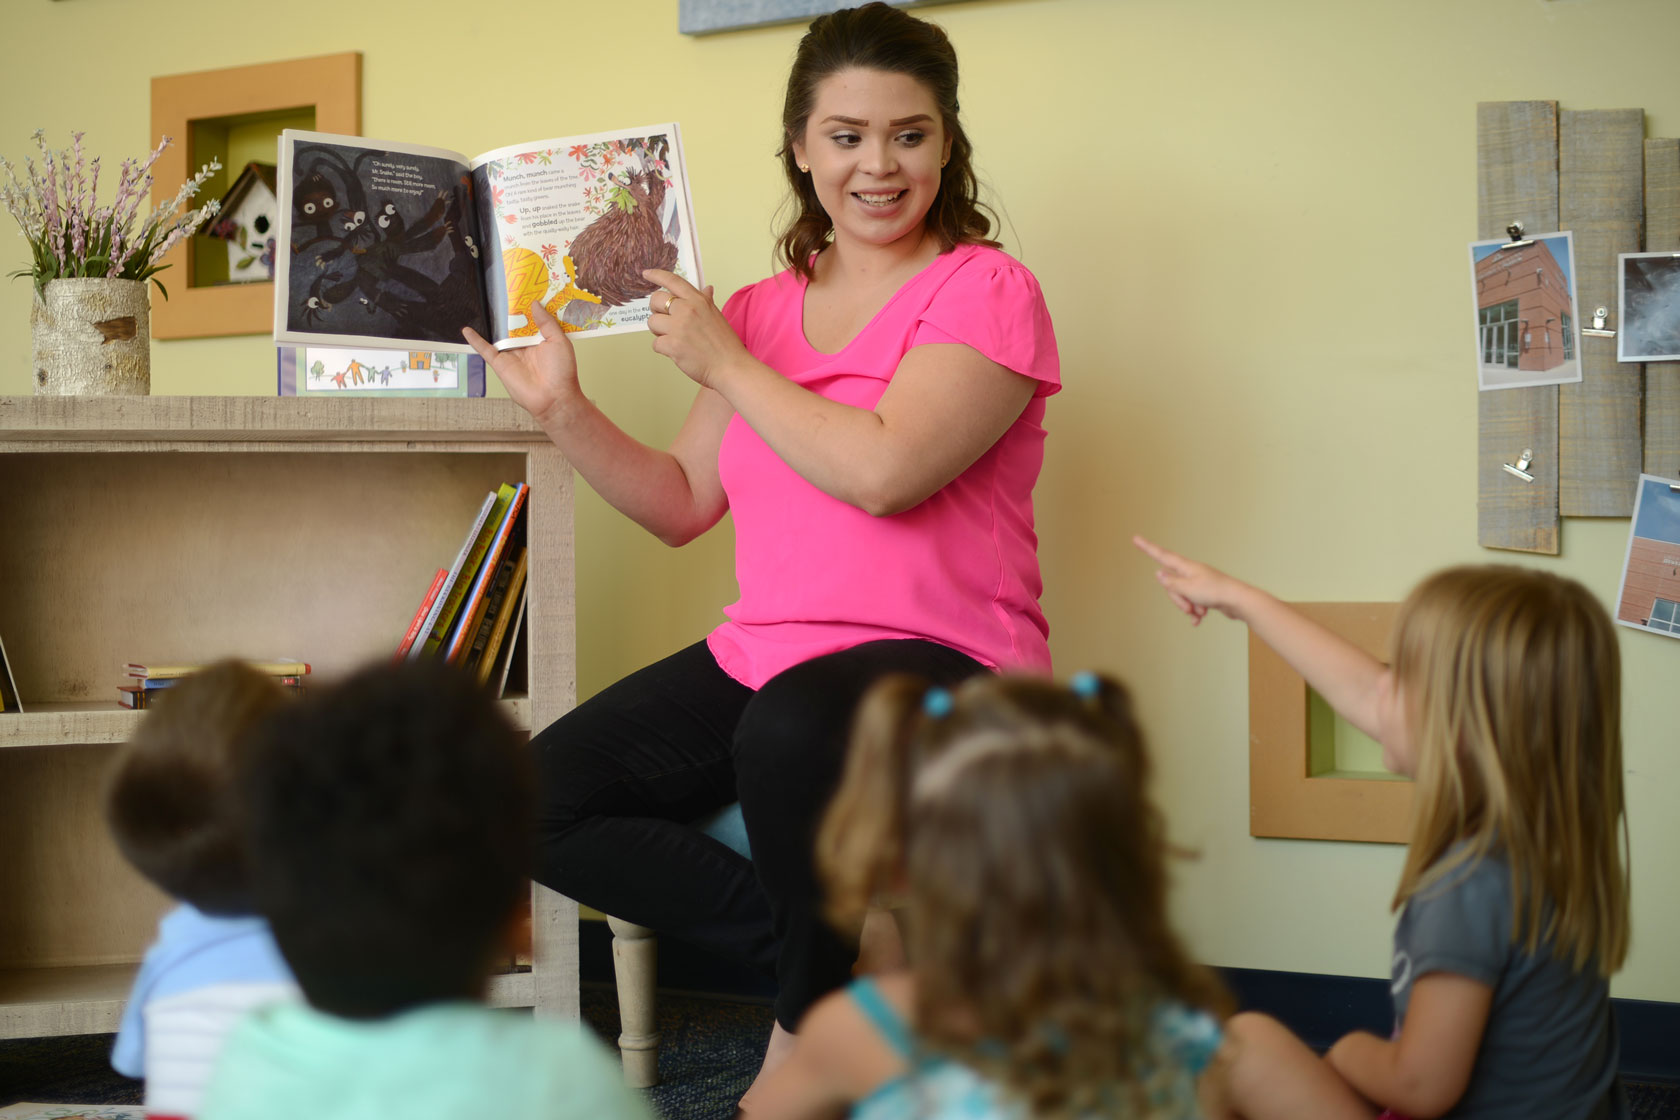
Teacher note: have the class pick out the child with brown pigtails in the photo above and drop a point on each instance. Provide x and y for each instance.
(1012, 814)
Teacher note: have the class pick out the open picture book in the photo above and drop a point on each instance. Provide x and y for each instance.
(400, 246)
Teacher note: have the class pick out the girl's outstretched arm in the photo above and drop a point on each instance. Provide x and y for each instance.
(1352, 681)
(1425, 1071)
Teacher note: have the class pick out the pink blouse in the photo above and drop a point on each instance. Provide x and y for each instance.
(817, 575)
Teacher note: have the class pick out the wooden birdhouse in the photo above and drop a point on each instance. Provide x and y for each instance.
(247, 221)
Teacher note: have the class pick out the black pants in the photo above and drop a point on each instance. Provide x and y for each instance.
(625, 771)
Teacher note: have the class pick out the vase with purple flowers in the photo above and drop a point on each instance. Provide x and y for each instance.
(90, 319)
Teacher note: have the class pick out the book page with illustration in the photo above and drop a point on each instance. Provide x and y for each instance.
(378, 243)
(401, 246)
(575, 221)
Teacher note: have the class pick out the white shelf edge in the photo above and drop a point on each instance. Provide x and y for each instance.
(82, 999)
(512, 989)
(91, 723)
(89, 999)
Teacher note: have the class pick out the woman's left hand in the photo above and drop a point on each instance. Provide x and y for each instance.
(689, 329)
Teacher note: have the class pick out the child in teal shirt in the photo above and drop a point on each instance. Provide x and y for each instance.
(391, 823)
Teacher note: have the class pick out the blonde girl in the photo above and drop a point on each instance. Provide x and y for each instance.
(1503, 703)
(1011, 817)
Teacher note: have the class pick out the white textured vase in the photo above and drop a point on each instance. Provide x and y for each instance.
(92, 338)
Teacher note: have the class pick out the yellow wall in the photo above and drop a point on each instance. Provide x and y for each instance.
(1197, 185)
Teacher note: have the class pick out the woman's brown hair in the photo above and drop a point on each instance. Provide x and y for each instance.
(1512, 681)
(878, 37)
(1019, 822)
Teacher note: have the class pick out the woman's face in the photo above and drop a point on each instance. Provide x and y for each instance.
(875, 144)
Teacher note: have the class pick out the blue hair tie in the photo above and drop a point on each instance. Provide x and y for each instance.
(1085, 684)
(936, 702)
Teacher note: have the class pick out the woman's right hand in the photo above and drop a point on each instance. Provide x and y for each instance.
(675, 495)
(541, 379)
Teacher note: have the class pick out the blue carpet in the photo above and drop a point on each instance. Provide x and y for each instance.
(709, 1053)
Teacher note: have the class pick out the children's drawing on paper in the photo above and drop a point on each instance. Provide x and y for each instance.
(579, 225)
(1527, 329)
(364, 369)
(377, 245)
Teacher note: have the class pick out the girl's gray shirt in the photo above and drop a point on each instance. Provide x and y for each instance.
(1550, 1046)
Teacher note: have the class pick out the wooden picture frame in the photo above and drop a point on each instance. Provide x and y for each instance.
(1290, 797)
(331, 85)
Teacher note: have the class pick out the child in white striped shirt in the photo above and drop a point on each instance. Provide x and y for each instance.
(171, 810)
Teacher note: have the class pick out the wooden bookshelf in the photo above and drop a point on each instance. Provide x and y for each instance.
(188, 528)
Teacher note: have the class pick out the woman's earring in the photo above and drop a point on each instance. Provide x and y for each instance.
(804, 169)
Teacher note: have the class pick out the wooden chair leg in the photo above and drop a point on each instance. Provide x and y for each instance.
(635, 955)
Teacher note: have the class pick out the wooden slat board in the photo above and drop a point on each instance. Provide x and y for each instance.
(1601, 199)
(1516, 180)
(1662, 379)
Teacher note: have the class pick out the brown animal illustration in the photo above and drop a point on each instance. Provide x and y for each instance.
(611, 252)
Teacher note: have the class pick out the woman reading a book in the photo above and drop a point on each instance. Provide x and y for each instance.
(872, 418)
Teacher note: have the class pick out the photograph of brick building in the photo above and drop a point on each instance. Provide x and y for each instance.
(1526, 329)
(1650, 594)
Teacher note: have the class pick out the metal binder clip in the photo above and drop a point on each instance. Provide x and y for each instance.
(1601, 315)
(1515, 232)
(1521, 469)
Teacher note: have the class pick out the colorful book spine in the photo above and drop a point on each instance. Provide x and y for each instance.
(510, 642)
(492, 607)
(436, 627)
(140, 696)
(472, 608)
(505, 611)
(161, 683)
(150, 672)
(420, 615)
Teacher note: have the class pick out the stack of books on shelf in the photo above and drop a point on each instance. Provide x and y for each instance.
(471, 613)
(148, 680)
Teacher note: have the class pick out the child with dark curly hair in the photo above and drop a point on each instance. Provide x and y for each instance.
(1012, 814)
(391, 836)
(171, 807)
